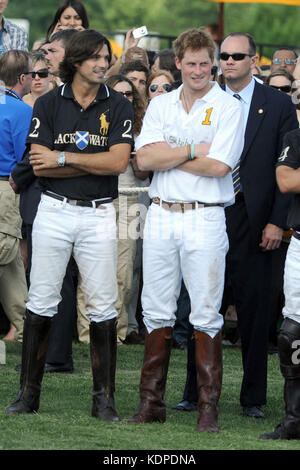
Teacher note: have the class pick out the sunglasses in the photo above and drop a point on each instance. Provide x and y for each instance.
(237, 56)
(166, 86)
(41, 73)
(286, 61)
(128, 94)
(284, 88)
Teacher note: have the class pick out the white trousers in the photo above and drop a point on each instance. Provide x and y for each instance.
(292, 281)
(192, 245)
(61, 229)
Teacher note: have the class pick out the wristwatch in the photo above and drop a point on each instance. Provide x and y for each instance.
(61, 159)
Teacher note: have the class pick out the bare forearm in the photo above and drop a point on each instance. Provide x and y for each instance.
(98, 164)
(64, 172)
(204, 166)
(160, 157)
(44, 162)
(288, 179)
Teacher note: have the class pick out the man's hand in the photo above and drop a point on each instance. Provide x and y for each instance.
(202, 150)
(13, 184)
(42, 158)
(271, 237)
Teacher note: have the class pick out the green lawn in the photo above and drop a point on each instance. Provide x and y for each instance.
(64, 422)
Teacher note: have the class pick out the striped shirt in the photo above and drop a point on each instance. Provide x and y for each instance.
(13, 37)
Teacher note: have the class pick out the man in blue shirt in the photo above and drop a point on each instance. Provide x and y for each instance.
(15, 118)
(12, 37)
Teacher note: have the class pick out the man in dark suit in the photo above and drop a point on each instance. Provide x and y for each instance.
(256, 220)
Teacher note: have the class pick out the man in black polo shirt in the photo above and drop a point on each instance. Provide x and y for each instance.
(81, 140)
(288, 178)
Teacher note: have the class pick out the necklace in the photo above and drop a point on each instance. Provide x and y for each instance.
(184, 102)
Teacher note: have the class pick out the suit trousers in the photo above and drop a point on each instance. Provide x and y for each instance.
(250, 273)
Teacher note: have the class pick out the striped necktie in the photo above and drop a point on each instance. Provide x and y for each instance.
(236, 170)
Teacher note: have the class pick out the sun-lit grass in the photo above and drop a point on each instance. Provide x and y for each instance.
(64, 422)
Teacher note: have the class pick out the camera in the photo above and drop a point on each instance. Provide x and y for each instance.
(140, 32)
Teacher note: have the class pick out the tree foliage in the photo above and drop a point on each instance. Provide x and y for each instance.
(273, 24)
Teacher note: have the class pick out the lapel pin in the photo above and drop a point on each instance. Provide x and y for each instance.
(260, 111)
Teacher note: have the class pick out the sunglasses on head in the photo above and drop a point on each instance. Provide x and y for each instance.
(284, 88)
(236, 56)
(166, 86)
(41, 73)
(128, 94)
(286, 61)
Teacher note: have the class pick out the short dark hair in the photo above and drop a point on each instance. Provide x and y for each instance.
(134, 65)
(252, 45)
(78, 7)
(83, 46)
(63, 36)
(13, 64)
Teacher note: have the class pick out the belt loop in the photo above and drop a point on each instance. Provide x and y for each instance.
(94, 204)
(65, 200)
(196, 205)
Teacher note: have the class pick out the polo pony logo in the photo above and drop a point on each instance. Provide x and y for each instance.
(104, 123)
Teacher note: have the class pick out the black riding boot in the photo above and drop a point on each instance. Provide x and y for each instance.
(34, 349)
(103, 347)
(289, 336)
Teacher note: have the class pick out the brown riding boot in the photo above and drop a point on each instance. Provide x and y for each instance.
(103, 348)
(154, 377)
(34, 349)
(209, 379)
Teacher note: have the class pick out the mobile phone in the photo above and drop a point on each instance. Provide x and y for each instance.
(140, 32)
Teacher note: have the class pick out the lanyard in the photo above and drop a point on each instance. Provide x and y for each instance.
(10, 93)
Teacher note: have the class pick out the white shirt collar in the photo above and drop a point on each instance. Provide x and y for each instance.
(246, 93)
(206, 97)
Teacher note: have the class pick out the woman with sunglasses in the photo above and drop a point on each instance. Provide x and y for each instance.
(126, 206)
(158, 83)
(41, 82)
(281, 79)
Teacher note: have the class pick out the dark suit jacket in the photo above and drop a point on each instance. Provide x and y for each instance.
(272, 114)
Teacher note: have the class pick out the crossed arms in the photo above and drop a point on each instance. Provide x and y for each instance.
(113, 162)
(161, 156)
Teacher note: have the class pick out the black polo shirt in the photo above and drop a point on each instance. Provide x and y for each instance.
(290, 156)
(59, 123)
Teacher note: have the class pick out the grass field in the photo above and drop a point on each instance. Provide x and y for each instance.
(64, 422)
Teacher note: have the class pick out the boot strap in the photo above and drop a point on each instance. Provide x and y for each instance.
(290, 372)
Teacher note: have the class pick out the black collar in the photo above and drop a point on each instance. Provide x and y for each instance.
(67, 92)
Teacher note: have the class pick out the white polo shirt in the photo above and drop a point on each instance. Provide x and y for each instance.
(217, 118)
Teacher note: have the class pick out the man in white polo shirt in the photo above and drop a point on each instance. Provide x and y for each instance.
(191, 139)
